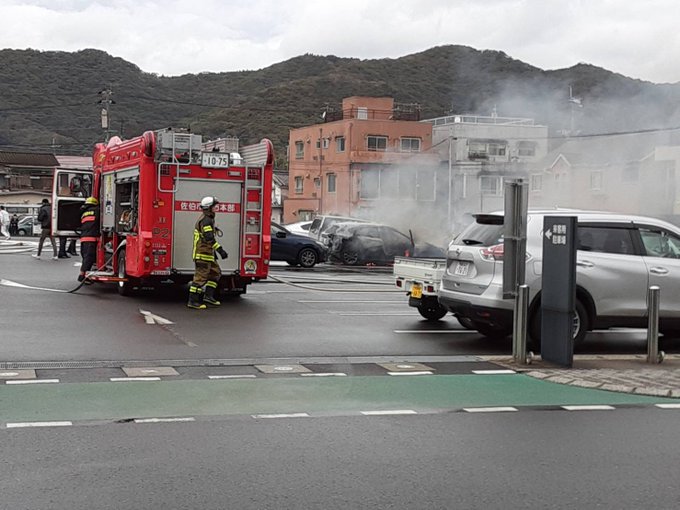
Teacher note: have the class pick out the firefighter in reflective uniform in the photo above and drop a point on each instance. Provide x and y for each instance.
(207, 273)
(89, 234)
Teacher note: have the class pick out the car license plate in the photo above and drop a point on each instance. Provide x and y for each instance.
(416, 291)
(462, 269)
(215, 160)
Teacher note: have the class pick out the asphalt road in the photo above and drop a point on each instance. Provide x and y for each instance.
(623, 459)
(80, 432)
(334, 314)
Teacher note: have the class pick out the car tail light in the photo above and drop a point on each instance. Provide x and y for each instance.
(494, 252)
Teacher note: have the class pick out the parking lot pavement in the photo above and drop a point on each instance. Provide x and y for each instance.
(619, 373)
(18, 245)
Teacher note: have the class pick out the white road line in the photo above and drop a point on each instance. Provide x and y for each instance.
(324, 374)
(125, 379)
(244, 376)
(291, 415)
(164, 420)
(493, 372)
(436, 331)
(424, 372)
(374, 314)
(39, 424)
(32, 381)
(389, 412)
(8, 283)
(668, 406)
(589, 408)
(489, 409)
(392, 302)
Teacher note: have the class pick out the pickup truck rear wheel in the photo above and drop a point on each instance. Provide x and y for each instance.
(431, 310)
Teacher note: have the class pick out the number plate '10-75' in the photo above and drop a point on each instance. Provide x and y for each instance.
(462, 269)
(214, 160)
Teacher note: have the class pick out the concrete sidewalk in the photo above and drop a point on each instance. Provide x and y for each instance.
(619, 373)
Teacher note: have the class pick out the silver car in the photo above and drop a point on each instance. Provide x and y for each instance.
(619, 256)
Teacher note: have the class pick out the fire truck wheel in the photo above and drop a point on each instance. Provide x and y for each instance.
(308, 257)
(124, 288)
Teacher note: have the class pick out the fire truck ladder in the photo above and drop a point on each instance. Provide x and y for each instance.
(252, 219)
(170, 143)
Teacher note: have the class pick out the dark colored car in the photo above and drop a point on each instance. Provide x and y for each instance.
(28, 226)
(361, 243)
(296, 249)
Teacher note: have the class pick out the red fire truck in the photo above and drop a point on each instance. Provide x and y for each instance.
(149, 190)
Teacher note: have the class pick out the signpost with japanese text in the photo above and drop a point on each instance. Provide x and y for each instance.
(558, 295)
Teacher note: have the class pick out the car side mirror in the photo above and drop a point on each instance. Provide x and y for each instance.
(281, 235)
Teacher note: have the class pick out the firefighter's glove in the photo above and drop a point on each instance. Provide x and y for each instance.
(222, 253)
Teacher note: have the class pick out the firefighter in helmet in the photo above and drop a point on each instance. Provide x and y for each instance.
(89, 234)
(207, 273)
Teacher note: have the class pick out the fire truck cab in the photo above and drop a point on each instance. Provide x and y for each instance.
(149, 190)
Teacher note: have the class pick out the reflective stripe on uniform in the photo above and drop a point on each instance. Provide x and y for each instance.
(87, 218)
(201, 256)
(207, 228)
(88, 239)
(211, 284)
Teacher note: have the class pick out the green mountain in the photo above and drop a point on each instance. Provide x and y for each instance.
(49, 100)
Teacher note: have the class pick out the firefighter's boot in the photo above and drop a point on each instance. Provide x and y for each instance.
(209, 296)
(195, 299)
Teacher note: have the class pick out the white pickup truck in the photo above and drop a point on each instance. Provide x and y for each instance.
(420, 278)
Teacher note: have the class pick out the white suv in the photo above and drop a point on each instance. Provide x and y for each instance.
(619, 257)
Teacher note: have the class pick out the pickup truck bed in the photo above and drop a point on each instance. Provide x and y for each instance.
(420, 278)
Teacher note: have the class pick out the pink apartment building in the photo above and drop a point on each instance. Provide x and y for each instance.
(337, 166)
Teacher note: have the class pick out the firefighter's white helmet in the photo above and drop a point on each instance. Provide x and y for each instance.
(208, 202)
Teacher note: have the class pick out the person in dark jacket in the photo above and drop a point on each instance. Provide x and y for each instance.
(45, 219)
(207, 273)
(89, 235)
(14, 225)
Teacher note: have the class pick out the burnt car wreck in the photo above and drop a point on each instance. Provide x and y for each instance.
(373, 243)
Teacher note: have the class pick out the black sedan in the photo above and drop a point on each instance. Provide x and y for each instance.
(361, 243)
(296, 249)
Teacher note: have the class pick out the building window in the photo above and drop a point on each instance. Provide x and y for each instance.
(370, 184)
(596, 181)
(408, 182)
(536, 182)
(326, 143)
(425, 185)
(299, 150)
(330, 184)
(340, 144)
(305, 214)
(410, 145)
(376, 143)
(318, 143)
(490, 185)
(482, 149)
(526, 149)
(362, 112)
(496, 149)
(299, 182)
(317, 182)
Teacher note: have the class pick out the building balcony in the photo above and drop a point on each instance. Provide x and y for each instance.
(400, 111)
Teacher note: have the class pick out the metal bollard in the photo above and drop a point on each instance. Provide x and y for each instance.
(519, 328)
(653, 353)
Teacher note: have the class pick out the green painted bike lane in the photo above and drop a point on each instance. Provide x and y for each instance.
(126, 400)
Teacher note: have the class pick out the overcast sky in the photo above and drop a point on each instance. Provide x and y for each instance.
(637, 38)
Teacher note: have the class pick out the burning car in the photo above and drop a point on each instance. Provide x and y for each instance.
(361, 243)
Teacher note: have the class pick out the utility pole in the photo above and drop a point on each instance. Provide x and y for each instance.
(106, 102)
